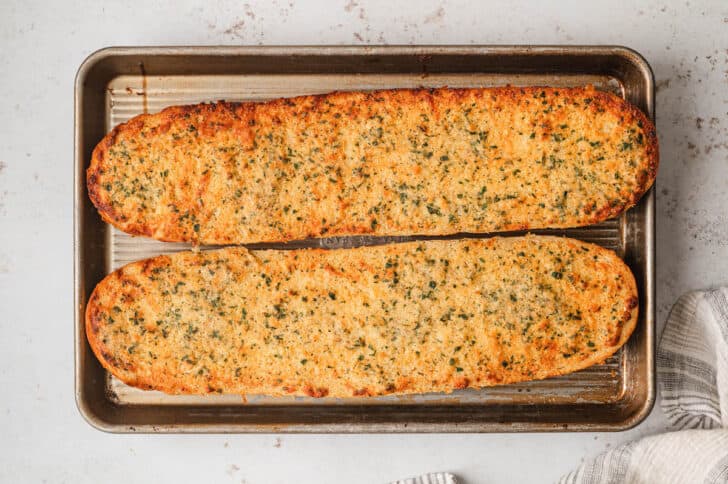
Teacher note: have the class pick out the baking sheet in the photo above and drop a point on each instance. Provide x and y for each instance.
(617, 393)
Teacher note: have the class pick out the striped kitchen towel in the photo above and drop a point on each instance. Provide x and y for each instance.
(434, 478)
(692, 370)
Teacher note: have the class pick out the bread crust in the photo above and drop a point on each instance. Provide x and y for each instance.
(417, 317)
(393, 162)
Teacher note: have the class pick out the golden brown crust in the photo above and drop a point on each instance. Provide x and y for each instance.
(416, 317)
(395, 162)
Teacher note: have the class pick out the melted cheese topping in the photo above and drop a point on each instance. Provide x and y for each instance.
(415, 317)
(387, 163)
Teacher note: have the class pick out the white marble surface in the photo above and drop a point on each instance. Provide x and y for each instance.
(42, 436)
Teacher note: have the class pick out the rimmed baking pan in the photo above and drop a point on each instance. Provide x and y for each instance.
(116, 84)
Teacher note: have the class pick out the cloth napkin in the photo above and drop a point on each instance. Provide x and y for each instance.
(692, 371)
(434, 478)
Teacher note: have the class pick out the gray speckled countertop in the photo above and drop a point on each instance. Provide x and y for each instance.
(44, 439)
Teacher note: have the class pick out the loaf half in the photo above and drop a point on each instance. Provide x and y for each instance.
(416, 317)
(397, 162)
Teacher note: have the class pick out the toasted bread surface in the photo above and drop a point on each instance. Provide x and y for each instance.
(416, 317)
(396, 162)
